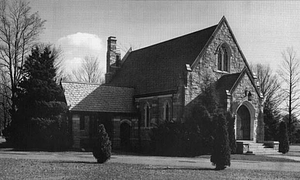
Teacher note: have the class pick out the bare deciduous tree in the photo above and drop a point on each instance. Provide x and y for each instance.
(269, 85)
(19, 30)
(270, 88)
(290, 74)
(4, 100)
(89, 71)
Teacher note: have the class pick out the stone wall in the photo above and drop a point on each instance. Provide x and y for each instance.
(76, 131)
(156, 104)
(80, 136)
(239, 96)
(83, 138)
(116, 141)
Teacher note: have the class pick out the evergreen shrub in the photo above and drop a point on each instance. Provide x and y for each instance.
(283, 138)
(220, 156)
(102, 146)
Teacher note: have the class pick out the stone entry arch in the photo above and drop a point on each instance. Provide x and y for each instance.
(125, 131)
(244, 121)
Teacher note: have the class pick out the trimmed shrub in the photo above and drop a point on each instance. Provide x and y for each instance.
(102, 146)
(283, 138)
(166, 139)
(199, 127)
(178, 139)
(220, 156)
(231, 132)
(192, 138)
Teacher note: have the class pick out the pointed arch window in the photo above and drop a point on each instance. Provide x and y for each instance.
(147, 115)
(223, 58)
(167, 111)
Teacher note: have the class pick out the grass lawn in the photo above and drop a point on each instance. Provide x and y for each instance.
(27, 168)
(38, 169)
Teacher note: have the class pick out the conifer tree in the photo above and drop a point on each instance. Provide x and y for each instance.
(220, 156)
(283, 138)
(102, 147)
(39, 83)
(40, 104)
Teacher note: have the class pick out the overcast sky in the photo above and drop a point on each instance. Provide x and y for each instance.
(262, 29)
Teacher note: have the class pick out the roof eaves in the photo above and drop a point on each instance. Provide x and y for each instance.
(156, 93)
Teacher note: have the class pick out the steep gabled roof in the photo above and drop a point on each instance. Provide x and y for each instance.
(97, 98)
(226, 82)
(230, 82)
(157, 68)
(249, 73)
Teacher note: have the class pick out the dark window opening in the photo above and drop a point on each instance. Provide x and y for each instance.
(223, 59)
(82, 123)
(167, 112)
(147, 116)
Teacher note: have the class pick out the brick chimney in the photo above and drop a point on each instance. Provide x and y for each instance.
(113, 58)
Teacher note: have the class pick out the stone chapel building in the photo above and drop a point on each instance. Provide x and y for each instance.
(157, 83)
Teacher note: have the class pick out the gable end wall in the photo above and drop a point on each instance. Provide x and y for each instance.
(206, 65)
(238, 97)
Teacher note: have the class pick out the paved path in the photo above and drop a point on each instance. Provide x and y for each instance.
(168, 162)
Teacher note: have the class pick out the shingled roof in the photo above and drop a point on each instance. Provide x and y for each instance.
(226, 82)
(97, 98)
(157, 68)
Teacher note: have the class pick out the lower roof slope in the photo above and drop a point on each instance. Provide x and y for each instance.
(157, 68)
(226, 82)
(97, 98)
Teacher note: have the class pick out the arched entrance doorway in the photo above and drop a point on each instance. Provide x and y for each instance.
(243, 123)
(125, 136)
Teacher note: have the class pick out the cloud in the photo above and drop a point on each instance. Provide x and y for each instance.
(79, 40)
(76, 46)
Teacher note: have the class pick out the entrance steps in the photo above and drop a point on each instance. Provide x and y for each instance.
(257, 148)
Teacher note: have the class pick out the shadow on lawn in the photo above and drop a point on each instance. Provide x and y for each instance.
(73, 162)
(181, 168)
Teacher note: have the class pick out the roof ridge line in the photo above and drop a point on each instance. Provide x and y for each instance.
(74, 82)
(172, 39)
(107, 85)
